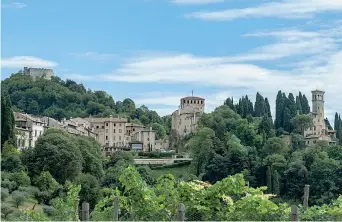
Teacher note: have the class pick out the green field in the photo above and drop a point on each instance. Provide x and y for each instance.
(175, 171)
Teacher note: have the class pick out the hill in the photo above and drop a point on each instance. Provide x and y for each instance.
(60, 99)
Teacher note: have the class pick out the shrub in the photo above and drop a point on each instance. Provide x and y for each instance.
(6, 209)
(19, 197)
(4, 194)
(10, 185)
(21, 178)
(30, 191)
(48, 210)
(42, 197)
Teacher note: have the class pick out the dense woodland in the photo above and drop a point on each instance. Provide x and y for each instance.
(236, 143)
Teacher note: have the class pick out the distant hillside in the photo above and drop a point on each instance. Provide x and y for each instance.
(64, 99)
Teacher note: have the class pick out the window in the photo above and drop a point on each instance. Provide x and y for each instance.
(106, 130)
(40, 133)
(202, 102)
(133, 129)
(106, 124)
(114, 124)
(187, 101)
(102, 127)
(148, 139)
(314, 141)
(114, 138)
(119, 138)
(120, 124)
(35, 133)
(106, 137)
(97, 127)
(120, 131)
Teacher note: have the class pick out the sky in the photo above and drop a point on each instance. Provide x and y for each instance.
(157, 51)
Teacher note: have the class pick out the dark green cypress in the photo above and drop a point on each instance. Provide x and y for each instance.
(336, 125)
(279, 110)
(260, 106)
(230, 103)
(275, 183)
(268, 108)
(287, 120)
(291, 105)
(269, 179)
(305, 105)
(7, 120)
(299, 106)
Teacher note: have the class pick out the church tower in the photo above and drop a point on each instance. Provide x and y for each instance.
(318, 103)
(318, 110)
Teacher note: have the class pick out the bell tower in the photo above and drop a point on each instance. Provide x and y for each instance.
(318, 103)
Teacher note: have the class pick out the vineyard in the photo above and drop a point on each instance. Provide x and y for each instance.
(229, 200)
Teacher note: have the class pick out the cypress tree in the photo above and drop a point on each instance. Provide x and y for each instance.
(305, 105)
(275, 183)
(269, 179)
(265, 126)
(7, 120)
(336, 124)
(259, 107)
(299, 106)
(279, 110)
(291, 105)
(268, 108)
(230, 103)
(287, 120)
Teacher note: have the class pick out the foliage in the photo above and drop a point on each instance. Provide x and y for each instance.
(6, 209)
(120, 155)
(7, 119)
(90, 189)
(19, 197)
(4, 194)
(10, 185)
(156, 154)
(325, 212)
(146, 174)
(66, 209)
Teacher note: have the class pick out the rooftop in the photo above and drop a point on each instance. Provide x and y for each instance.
(193, 97)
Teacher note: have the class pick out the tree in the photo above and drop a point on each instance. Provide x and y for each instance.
(21, 178)
(260, 106)
(275, 183)
(268, 108)
(160, 130)
(269, 179)
(4, 194)
(120, 156)
(305, 105)
(291, 105)
(56, 152)
(287, 120)
(274, 145)
(299, 106)
(18, 198)
(280, 105)
(6, 210)
(90, 189)
(201, 145)
(302, 122)
(265, 126)
(46, 183)
(230, 103)
(7, 120)
(337, 125)
(146, 174)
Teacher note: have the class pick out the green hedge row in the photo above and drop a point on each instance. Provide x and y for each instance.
(155, 154)
(176, 164)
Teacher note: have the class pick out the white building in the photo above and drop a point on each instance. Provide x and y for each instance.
(319, 131)
(29, 128)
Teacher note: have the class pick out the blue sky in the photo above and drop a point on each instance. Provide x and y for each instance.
(156, 51)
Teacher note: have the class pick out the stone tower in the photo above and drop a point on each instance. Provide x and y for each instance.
(318, 110)
(318, 103)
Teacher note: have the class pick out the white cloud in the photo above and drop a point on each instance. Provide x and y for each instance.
(289, 9)
(17, 5)
(313, 59)
(29, 61)
(195, 2)
(95, 55)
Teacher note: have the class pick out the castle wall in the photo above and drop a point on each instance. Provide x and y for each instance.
(39, 72)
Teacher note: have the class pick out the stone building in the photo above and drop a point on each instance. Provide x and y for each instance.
(28, 129)
(184, 120)
(319, 131)
(39, 72)
(116, 133)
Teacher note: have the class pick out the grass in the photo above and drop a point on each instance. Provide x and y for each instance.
(175, 171)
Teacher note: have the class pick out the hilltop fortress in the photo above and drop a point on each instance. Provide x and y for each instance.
(39, 72)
